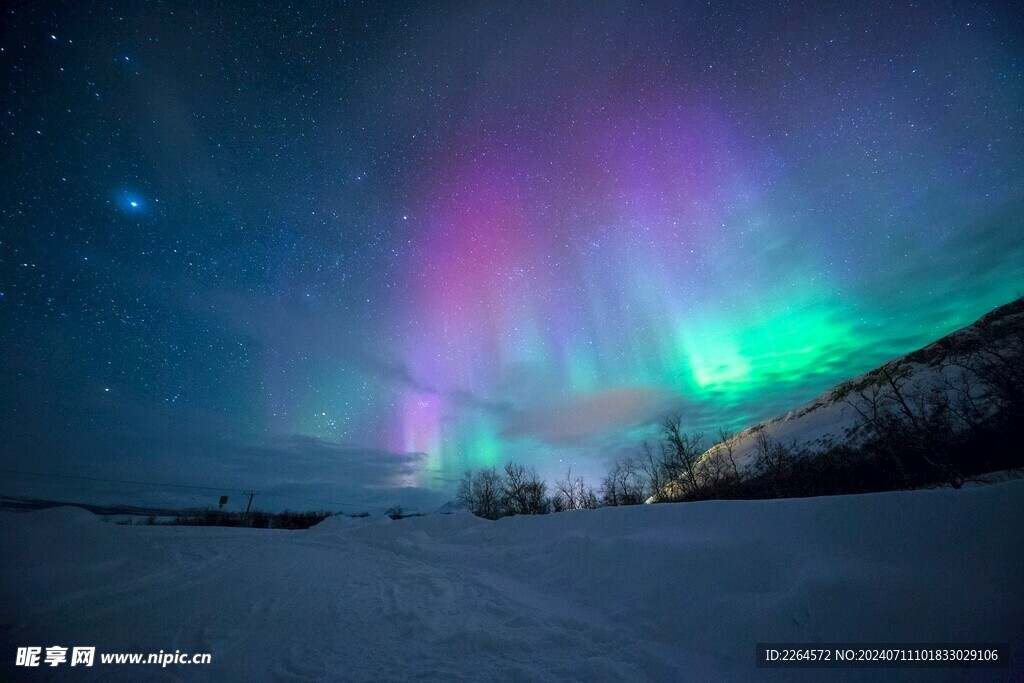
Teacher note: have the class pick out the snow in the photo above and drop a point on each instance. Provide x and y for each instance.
(657, 592)
(830, 419)
(827, 420)
(814, 427)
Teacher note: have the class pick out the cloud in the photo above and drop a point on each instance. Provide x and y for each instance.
(589, 417)
(91, 455)
(303, 472)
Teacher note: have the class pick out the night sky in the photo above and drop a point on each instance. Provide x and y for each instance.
(341, 252)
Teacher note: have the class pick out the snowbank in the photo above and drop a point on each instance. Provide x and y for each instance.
(666, 592)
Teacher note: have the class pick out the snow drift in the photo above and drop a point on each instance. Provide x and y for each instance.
(666, 592)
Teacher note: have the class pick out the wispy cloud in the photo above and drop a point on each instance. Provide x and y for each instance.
(587, 417)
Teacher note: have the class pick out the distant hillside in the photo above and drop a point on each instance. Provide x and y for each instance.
(833, 419)
(16, 503)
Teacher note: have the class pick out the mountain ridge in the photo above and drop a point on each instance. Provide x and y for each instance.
(831, 419)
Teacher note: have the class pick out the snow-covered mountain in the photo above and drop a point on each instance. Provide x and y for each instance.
(832, 418)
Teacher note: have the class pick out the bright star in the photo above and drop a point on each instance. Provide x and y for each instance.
(131, 202)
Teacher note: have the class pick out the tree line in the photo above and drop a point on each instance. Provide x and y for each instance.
(672, 469)
(962, 418)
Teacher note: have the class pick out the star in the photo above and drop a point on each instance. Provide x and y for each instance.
(616, 232)
(131, 202)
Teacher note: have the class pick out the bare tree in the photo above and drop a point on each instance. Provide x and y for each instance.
(652, 464)
(774, 461)
(536, 494)
(573, 494)
(680, 453)
(464, 492)
(914, 425)
(876, 420)
(717, 470)
(523, 491)
(481, 493)
(998, 368)
(624, 484)
(513, 493)
(726, 452)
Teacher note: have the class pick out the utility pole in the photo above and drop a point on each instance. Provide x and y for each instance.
(251, 495)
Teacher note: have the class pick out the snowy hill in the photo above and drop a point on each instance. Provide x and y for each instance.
(668, 592)
(831, 418)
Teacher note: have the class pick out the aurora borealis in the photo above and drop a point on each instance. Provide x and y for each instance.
(332, 250)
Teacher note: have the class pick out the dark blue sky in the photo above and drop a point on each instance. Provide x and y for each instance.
(343, 251)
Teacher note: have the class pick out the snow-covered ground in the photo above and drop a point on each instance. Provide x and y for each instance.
(665, 592)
